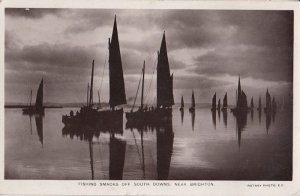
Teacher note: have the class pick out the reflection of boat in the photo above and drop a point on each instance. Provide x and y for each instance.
(165, 138)
(182, 104)
(117, 149)
(214, 102)
(225, 117)
(39, 127)
(214, 117)
(224, 108)
(92, 116)
(219, 105)
(241, 121)
(192, 108)
(38, 107)
(193, 120)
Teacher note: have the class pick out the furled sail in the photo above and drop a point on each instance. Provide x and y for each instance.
(39, 97)
(116, 78)
(165, 96)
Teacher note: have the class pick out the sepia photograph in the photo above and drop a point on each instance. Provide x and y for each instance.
(148, 94)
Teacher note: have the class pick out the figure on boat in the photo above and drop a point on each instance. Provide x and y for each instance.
(38, 108)
(193, 104)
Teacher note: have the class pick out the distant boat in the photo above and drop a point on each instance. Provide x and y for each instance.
(38, 108)
(268, 107)
(192, 108)
(182, 104)
(251, 104)
(90, 115)
(241, 104)
(224, 108)
(219, 105)
(214, 102)
(259, 104)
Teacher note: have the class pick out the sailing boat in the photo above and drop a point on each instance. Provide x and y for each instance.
(259, 104)
(140, 114)
(219, 105)
(241, 104)
(192, 108)
(268, 107)
(38, 108)
(116, 89)
(251, 104)
(224, 108)
(182, 104)
(214, 103)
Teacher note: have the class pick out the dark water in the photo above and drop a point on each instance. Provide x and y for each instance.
(203, 146)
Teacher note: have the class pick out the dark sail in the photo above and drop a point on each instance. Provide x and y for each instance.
(214, 103)
(268, 101)
(193, 100)
(252, 104)
(219, 104)
(116, 78)
(225, 101)
(182, 103)
(39, 97)
(239, 94)
(165, 96)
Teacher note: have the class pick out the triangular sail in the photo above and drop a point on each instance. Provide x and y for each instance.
(39, 97)
(225, 101)
(165, 96)
(193, 100)
(214, 103)
(116, 78)
(252, 104)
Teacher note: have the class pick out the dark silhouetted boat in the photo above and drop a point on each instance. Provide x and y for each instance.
(103, 118)
(192, 108)
(182, 104)
(214, 103)
(268, 108)
(38, 108)
(241, 104)
(259, 104)
(219, 105)
(225, 106)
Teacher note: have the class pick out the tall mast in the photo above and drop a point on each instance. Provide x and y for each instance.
(91, 89)
(142, 97)
(87, 94)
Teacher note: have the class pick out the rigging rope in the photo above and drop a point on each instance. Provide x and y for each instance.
(137, 92)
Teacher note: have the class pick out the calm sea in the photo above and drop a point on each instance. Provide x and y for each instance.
(203, 146)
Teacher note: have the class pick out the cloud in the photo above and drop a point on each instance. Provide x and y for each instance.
(32, 13)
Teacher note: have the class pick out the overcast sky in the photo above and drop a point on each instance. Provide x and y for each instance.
(207, 51)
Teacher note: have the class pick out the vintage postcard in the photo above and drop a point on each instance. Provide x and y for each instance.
(149, 97)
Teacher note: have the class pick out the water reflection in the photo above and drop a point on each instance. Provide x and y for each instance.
(213, 114)
(39, 127)
(241, 121)
(193, 120)
(182, 115)
(268, 121)
(165, 138)
(251, 114)
(225, 117)
(117, 147)
(259, 116)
